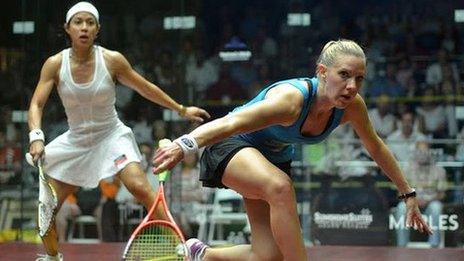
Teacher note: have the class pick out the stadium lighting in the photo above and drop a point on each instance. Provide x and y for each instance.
(298, 19)
(23, 27)
(179, 22)
(459, 15)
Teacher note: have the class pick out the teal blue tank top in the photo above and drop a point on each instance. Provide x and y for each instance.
(276, 142)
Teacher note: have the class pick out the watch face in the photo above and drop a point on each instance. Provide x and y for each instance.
(408, 195)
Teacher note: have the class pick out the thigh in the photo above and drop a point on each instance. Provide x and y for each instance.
(249, 173)
(63, 190)
(133, 177)
(136, 182)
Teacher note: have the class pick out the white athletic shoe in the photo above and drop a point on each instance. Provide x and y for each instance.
(196, 249)
(58, 257)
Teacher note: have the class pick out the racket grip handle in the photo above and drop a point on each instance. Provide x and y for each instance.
(164, 142)
(163, 175)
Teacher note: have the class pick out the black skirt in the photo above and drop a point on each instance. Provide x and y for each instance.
(215, 158)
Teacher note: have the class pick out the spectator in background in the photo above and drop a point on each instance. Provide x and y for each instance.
(268, 46)
(200, 74)
(167, 75)
(386, 84)
(107, 211)
(226, 89)
(382, 119)
(264, 79)
(437, 71)
(431, 115)
(69, 210)
(263, 47)
(10, 129)
(244, 73)
(142, 127)
(411, 89)
(460, 147)
(158, 131)
(402, 141)
(430, 184)
(405, 71)
(450, 91)
(187, 55)
(10, 160)
(192, 194)
(146, 150)
(451, 40)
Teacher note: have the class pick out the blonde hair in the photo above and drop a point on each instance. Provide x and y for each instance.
(333, 49)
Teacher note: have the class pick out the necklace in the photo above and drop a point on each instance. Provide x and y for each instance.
(81, 60)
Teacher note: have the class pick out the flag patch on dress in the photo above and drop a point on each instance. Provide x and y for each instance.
(119, 160)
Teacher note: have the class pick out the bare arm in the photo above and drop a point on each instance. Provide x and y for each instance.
(126, 75)
(45, 85)
(357, 115)
(282, 106)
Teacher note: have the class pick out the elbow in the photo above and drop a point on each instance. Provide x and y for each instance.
(233, 126)
(145, 92)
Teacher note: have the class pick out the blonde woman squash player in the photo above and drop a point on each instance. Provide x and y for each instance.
(251, 150)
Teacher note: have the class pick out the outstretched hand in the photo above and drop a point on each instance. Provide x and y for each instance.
(196, 114)
(414, 217)
(167, 157)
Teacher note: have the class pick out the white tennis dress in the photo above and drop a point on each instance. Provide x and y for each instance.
(97, 144)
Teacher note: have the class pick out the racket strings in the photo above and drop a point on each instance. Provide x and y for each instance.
(47, 204)
(156, 242)
(46, 217)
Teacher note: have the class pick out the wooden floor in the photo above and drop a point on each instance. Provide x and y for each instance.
(113, 251)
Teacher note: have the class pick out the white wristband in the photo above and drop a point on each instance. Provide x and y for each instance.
(188, 144)
(36, 134)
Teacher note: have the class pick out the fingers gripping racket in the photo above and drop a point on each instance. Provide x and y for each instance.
(155, 238)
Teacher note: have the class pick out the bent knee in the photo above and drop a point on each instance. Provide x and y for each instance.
(279, 190)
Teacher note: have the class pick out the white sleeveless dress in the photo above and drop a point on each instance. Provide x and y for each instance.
(97, 145)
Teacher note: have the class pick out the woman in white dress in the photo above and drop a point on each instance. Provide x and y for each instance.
(97, 145)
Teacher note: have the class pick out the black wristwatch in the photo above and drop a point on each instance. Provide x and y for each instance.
(408, 195)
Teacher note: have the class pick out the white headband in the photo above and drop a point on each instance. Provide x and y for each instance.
(82, 7)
